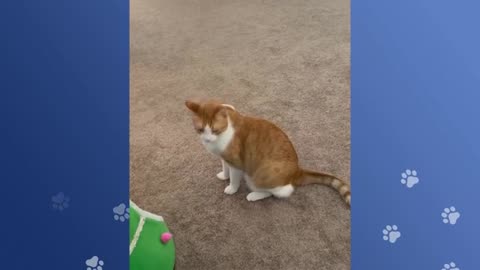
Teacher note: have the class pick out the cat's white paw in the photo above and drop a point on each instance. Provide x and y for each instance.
(222, 176)
(230, 190)
(257, 195)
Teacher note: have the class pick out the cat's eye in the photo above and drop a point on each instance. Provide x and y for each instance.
(200, 130)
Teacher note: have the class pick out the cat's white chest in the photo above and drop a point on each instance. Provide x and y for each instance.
(222, 142)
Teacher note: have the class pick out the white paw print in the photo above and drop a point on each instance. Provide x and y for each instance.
(60, 201)
(409, 178)
(391, 233)
(121, 212)
(450, 266)
(94, 263)
(450, 215)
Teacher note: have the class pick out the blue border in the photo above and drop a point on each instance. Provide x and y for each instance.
(415, 106)
(64, 116)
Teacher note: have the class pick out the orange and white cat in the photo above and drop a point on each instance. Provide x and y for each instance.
(255, 150)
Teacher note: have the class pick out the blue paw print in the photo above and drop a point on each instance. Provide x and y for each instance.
(94, 263)
(121, 212)
(450, 266)
(450, 215)
(60, 201)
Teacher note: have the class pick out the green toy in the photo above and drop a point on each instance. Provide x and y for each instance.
(151, 246)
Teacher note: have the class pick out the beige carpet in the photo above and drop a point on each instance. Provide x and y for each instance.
(284, 60)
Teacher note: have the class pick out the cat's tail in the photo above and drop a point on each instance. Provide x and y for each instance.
(311, 177)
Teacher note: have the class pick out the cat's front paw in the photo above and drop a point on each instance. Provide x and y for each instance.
(230, 190)
(221, 175)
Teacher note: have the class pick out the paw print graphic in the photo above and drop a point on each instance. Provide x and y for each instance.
(94, 263)
(450, 266)
(121, 212)
(391, 233)
(409, 178)
(60, 201)
(450, 215)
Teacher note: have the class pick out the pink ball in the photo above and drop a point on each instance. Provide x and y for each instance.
(166, 237)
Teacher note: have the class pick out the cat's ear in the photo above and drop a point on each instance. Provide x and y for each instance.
(224, 109)
(223, 112)
(192, 106)
(228, 106)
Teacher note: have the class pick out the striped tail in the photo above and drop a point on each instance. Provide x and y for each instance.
(311, 177)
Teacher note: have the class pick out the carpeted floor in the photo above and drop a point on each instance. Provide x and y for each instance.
(284, 60)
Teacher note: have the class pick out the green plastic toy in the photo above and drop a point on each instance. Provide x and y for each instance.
(151, 244)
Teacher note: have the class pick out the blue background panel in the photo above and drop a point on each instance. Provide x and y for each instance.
(64, 117)
(415, 105)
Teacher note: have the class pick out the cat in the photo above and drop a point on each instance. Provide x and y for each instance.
(256, 150)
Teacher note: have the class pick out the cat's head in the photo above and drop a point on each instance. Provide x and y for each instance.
(210, 119)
